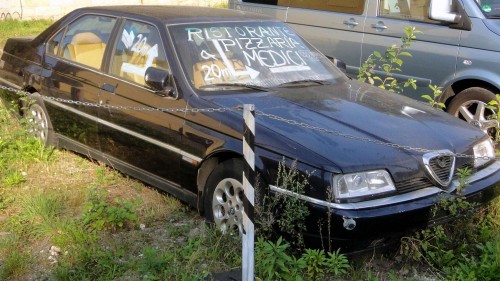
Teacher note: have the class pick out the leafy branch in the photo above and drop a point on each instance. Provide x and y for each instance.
(389, 63)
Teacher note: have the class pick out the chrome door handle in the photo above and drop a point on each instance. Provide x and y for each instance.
(351, 22)
(379, 26)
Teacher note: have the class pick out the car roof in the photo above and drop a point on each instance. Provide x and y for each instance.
(178, 14)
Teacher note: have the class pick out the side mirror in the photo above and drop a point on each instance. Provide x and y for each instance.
(338, 63)
(159, 80)
(441, 10)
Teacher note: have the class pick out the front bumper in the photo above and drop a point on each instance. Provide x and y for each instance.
(368, 224)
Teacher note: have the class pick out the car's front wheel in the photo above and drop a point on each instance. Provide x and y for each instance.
(224, 196)
(39, 123)
(471, 106)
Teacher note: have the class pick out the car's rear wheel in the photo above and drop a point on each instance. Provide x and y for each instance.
(39, 123)
(471, 105)
(224, 196)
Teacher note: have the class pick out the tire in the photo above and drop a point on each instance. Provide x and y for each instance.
(224, 196)
(470, 105)
(39, 123)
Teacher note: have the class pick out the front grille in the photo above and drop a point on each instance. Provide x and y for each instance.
(440, 166)
(420, 183)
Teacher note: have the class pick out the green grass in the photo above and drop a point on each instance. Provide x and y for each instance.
(93, 213)
(18, 28)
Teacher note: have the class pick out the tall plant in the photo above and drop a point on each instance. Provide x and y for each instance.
(388, 63)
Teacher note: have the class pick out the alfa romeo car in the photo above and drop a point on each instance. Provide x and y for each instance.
(157, 91)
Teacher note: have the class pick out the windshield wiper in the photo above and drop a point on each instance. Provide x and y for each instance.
(305, 82)
(233, 85)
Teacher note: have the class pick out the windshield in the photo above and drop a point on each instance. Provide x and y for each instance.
(491, 8)
(216, 56)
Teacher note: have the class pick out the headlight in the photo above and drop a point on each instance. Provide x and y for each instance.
(362, 184)
(483, 153)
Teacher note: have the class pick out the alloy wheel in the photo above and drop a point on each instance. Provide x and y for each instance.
(227, 205)
(39, 125)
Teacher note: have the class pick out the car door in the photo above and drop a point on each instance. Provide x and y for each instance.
(334, 27)
(73, 63)
(434, 53)
(144, 140)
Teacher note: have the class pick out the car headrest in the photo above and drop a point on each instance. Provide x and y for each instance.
(85, 38)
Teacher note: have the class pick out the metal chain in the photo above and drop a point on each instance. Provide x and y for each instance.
(258, 113)
(122, 107)
(363, 139)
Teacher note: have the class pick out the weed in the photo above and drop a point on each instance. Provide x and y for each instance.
(100, 215)
(315, 260)
(92, 263)
(38, 215)
(288, 212)
(494, 106)
(460, 248)
(13, 178)
(389, 63)
(220, 248)
(273, 263)
(5, 200)
(15, 258)
(436, 93)
(337, 263)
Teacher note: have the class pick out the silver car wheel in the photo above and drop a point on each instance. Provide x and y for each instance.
(473, 112)
(39, 124)
(227, 205)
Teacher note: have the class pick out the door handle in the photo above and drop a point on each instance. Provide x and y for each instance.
(379, 26)
(351, 23)
(108, 88)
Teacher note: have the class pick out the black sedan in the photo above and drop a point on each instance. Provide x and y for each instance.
(155, 92)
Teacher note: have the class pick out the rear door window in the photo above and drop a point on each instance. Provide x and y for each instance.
(84, 40)
(413, 10)
(341, 6)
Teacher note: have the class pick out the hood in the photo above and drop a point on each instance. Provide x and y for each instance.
(358, 110)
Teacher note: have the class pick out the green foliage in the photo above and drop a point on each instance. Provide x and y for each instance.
(273, 262)
(434, 100)
(315, 263)
(17, 149)
(464, 249)
(15, 258)
(337, 263)
(100, 215)
(219, 5)
(388, 63)
(153, 262)
(286, 211)
(38, 215)
(494, 106)
(91, 263)
(391, 62)
(16, 28)
(484, 268)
